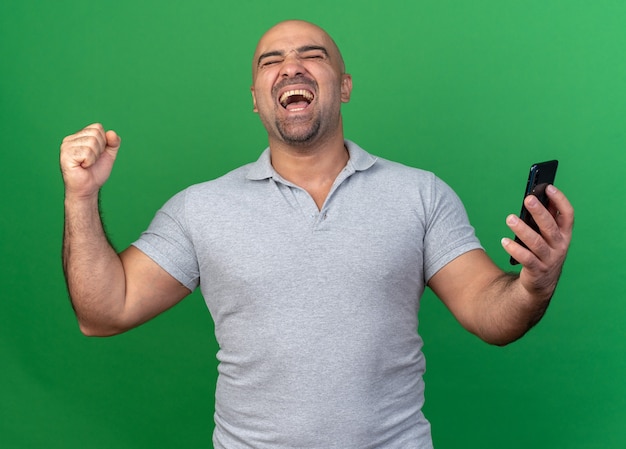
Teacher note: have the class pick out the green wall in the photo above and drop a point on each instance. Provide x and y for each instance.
(473, 90)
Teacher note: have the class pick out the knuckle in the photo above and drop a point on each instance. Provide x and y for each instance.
(537, 242)
(78, 154)
(92, 141)
(83, 152)
(555, 234)
(97, 127)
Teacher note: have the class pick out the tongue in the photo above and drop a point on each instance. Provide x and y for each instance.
(297, 105)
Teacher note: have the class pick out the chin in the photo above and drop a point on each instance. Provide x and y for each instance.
(299, 135)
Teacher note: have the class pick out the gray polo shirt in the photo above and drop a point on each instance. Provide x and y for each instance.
(315, 310)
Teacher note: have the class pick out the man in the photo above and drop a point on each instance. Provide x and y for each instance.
(312, 261)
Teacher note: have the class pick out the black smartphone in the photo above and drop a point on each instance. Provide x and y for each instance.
(540, 176)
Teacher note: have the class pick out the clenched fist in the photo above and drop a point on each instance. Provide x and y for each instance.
(86, 159)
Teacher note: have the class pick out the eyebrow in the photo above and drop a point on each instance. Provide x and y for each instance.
(303, 49)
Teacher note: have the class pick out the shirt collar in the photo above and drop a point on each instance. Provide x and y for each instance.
(360, 160)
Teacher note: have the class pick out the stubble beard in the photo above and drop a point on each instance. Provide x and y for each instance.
(295, 133)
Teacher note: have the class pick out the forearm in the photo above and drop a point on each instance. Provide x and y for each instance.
(93, 270)
(498, 307)
(507, 310)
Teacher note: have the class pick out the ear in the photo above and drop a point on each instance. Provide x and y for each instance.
(346, 87)
(254, 108)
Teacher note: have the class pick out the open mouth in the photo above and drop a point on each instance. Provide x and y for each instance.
(296, 100)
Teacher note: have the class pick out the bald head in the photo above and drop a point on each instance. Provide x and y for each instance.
(289, 36)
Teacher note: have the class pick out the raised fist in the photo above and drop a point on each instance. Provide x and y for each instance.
(87, 158)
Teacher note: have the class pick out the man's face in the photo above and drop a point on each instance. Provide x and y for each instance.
(299, 83)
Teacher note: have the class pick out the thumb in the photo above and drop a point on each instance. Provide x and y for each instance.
(113, 141)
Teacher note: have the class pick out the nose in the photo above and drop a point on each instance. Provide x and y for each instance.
(292, 66)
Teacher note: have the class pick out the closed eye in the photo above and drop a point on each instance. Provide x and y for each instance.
(311, 52)
(269, 58)
(269, 62)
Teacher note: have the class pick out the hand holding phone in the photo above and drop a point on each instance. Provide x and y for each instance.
(540, 176)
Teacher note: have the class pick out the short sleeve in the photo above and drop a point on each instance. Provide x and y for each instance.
(167, 241)
(448, 231)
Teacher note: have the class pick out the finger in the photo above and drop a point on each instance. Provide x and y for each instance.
(95, 127)
(94, 130)
(565, 210)
(83, 151)
(555, 224)
(554, 211)
(88, 139)
(113, 141)
(542, 217)
(533, 240)
(524, 256)
(79, 156)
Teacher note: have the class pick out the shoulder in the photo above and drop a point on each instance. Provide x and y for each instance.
(234, 195)
(234, 179)
(404, 173)
(375, 166)
(230, 183)
(400, 178)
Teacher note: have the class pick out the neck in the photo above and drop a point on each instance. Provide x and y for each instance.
(314, 161)
(313, 168)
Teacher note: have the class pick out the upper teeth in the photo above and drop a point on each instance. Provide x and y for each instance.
(302, 92)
